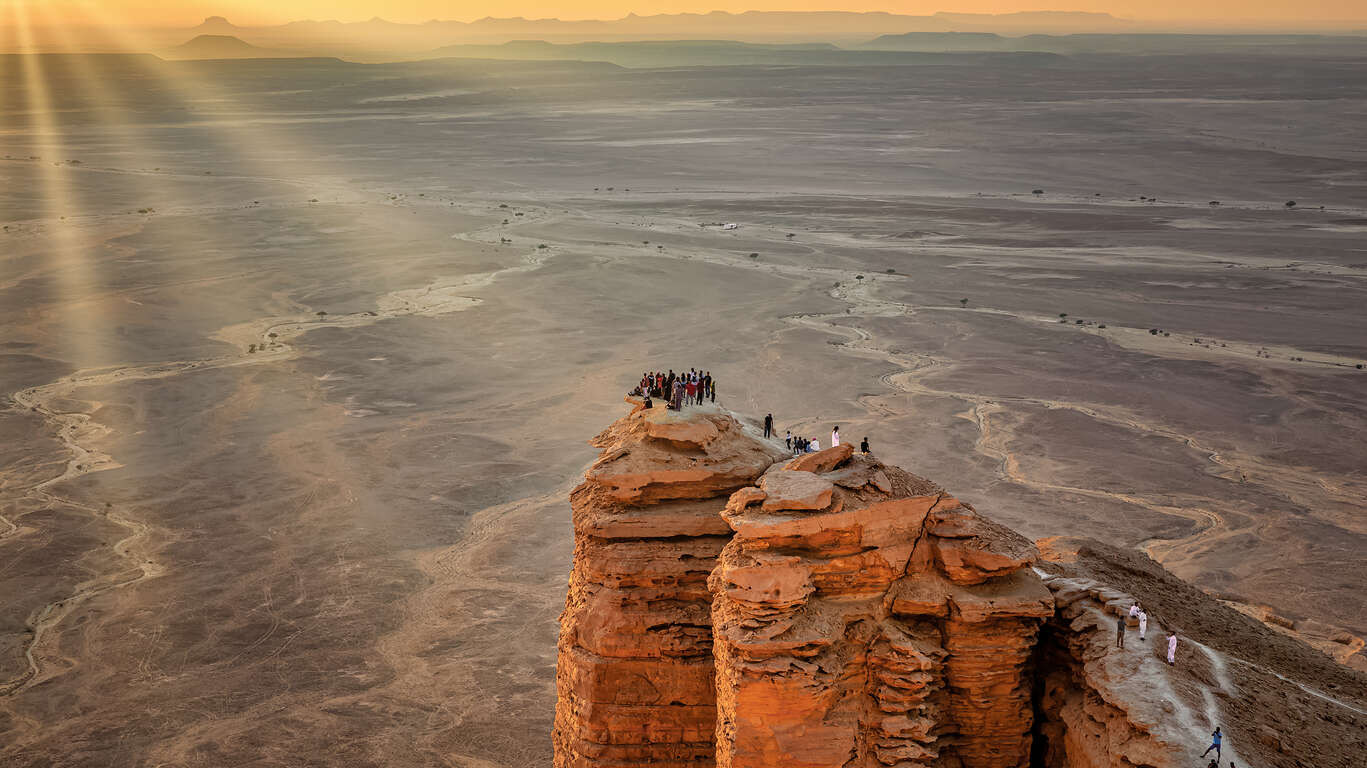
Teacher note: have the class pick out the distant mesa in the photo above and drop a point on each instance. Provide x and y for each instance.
(216, 25)
(222, 47)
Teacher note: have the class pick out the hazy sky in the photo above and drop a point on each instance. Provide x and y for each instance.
(187, 12)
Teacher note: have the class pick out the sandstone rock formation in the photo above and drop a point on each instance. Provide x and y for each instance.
(865, 618)
(732, 606)
(635, 675)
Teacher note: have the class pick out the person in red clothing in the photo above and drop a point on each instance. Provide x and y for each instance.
(691, 390)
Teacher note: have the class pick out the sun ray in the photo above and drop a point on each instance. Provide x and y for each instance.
(68, 259)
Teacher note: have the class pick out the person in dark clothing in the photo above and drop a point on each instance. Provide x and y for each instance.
(768, 425)
(788, 439)
(1120, 631)
(864, 445)
(1215, 739)
(713, 391)
(649, 403)
(669, 384)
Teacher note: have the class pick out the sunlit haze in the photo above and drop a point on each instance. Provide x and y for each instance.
(260, 12)
(772, 383)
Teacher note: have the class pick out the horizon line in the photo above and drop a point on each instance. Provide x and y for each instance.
(1219, 20)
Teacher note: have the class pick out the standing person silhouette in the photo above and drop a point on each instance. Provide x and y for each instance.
(835, 436)
(768, 425)
(864, 445)
(1215, 739)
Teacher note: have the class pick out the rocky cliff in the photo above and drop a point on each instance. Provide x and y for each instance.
(635, 674)
(733, 606)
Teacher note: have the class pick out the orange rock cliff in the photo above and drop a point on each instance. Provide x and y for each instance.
(733, 606)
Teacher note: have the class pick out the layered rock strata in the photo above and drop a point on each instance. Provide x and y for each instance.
(862, 617)
(635, 673)
(733, 606)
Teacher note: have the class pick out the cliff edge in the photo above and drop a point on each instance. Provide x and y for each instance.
(732, 605)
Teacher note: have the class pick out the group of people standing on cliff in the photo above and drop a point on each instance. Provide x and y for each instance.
(798, 444)
(691, 388)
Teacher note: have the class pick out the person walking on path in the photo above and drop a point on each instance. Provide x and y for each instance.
(768, 425)
(1215, 739)
(835, 436)
(1143, 623)
(864, 445)
(1120, 631)
(1172, 649)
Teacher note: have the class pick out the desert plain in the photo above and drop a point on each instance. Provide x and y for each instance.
(301, 358)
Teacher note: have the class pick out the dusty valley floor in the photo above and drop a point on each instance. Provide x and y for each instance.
(300, 359)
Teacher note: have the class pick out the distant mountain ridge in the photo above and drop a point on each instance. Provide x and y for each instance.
(750, 26)
(1040, 32)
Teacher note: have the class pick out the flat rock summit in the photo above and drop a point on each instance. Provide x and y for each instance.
(732, 605)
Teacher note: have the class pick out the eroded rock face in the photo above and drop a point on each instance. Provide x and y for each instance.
(635, 673)
(733, 606)
(890, 626)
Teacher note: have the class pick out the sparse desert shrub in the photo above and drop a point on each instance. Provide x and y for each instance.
(251, 348)
(1063, 314)
(1036, 191)
(754, 255)
(858, 277)
(963, 303)
(891, 271)
(1214, 202)
(505, 205)
(321, 313)
(542, 246)
(1103, 325)
(272, 334)
(517, 214)
(1290, 203)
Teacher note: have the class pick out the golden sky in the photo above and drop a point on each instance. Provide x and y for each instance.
(250, 12)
